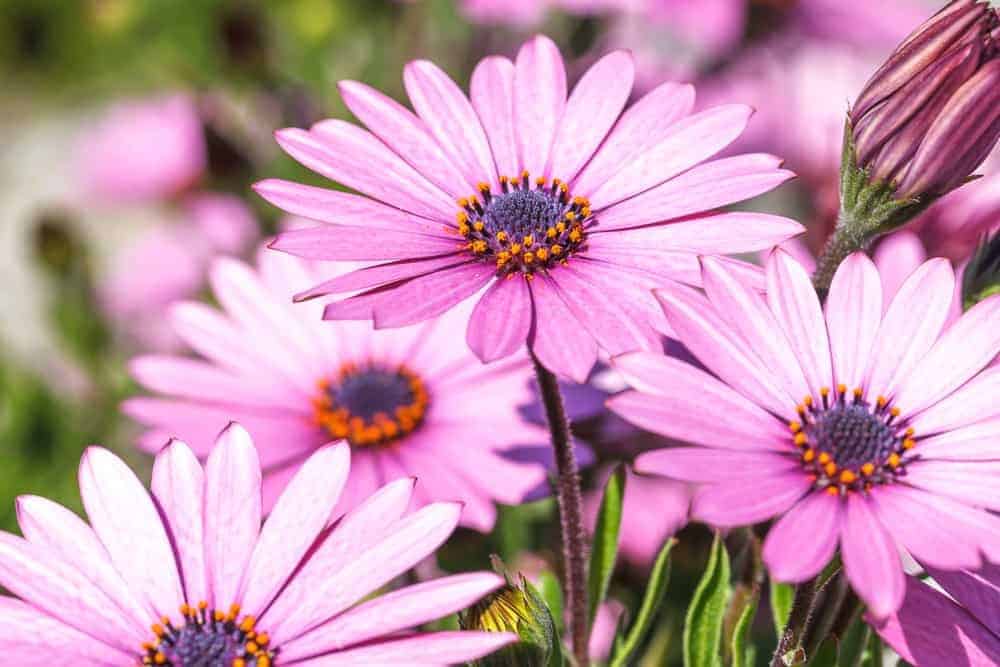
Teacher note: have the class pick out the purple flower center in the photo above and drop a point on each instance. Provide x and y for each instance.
(850, 444)
(374, 404)
(208, 638)
(526, 227)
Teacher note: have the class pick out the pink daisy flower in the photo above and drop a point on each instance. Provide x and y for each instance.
(852, 427)
(555, 215)
(409, 401)
(190, 577)
(960, 629)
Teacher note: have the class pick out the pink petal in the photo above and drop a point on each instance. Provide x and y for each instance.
(408, 542)
(349, 155)
(974, 442)
(853, 315)
(559, 340)
(445, 483)
(361, 527)
(126, 521)
(720, 233)
(702, 188)
(748, 314)
(428, 296)
(922, 523)
(232, 512)
(404, 133)
(29, 638)
(59, 590)
(804, 540)
(429, 648)
(896, 257)
(682, 402)
(911, 324)
(539, 100)
(381, 274)
(976, 591)
(593, 107)
(642, 126)
(930, 629)
(975, 401)
(962, 351)
(66, 536)
(211, 334)
(339, 242)
(179, 488)
(744, 502)
(688, 142)
(870, 558)
(492, 93)
(701, 464)
(387, 614)
(450, 118)
(342, 208)
(796, 308)
(301, 512)
(501, 320)
(184, 377)
(707, 336)
(976, 483)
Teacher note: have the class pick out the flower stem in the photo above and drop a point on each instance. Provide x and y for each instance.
(570, 512)
(840, 244)
(798, 622)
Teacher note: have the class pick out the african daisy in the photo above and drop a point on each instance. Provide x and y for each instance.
(411, 402)
(555, 215)
(190, 577)
(853, 427)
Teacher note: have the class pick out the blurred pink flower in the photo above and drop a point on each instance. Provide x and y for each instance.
(143, 150)
(602, 634)
(169, 262)
(932, 629)
(869, 25)
(856, 428)
(143, 580)
(584, 207)
(402, 398)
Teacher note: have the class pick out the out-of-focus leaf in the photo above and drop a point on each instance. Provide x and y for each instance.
(658, 649)
(703, 625)
(656, 590)
(781, 605)
(826, 655)
(605, 547)
(551, 592)
(852, 646)
(742, 652)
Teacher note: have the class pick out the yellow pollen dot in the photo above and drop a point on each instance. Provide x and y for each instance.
(570, 216)
(515, 248)
(841, 388)
(576, 235)
(801, 409)
(809, 455)
(160, 658)
(463, 202)
(483, 187)
(824, 458)
(585, 212)
(556, 182)
(239, 662)
(557, 250)
(868, 469)
(263, 639)
(461, 217)
(464, 230)
(808, 400)
(824, 391)
(909, 432)
(248, 623)
(550, 232)
(795, 427)
(478, 226)
(263, 661)
(529, 257)
(847, 477)
(893, 460)
(529, 277)
(909, 443)
(560, 227)
(542, 254)
(830, 469)
(800, 439)
(218, 615)
(894, 411)
(540, 181)
(528, 241)
(832, 491)
(479, 246)
(157, 629)
(501, 236)
(524, 175)
(504, 179)
(858, 391)
(563, 188)
(881, 401)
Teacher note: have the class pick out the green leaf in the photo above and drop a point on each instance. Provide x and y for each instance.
(781, 605)
(605, 547)
(826, 655)
(550, 590)
(852, 646)
(742, 653)
(656, 590)
(705, 616)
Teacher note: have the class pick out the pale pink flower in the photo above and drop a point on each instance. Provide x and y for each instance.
(143, 150)
(189, 575)
(555, 215)
(411, 401)
(855, 428)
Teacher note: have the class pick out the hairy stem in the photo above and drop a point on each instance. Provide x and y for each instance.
(840, 244)
(798, 622)
(570, 512)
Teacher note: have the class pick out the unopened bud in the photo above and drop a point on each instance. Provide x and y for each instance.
(514, 608)
(981, 278)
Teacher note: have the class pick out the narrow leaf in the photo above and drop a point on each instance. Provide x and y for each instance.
(741, 651)
(605, 548)
(656, 590)
(826, 655)
(781, 606)
(705, 616)
(550, 590)
(852, 646)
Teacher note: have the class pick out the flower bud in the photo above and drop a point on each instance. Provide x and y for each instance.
(930, 115)
(981, 278)
(514, 608)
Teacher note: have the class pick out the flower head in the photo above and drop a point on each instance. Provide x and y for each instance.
(931, 113)
(190, 577)
(853, 427)
(555, 215)
(410, 402)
